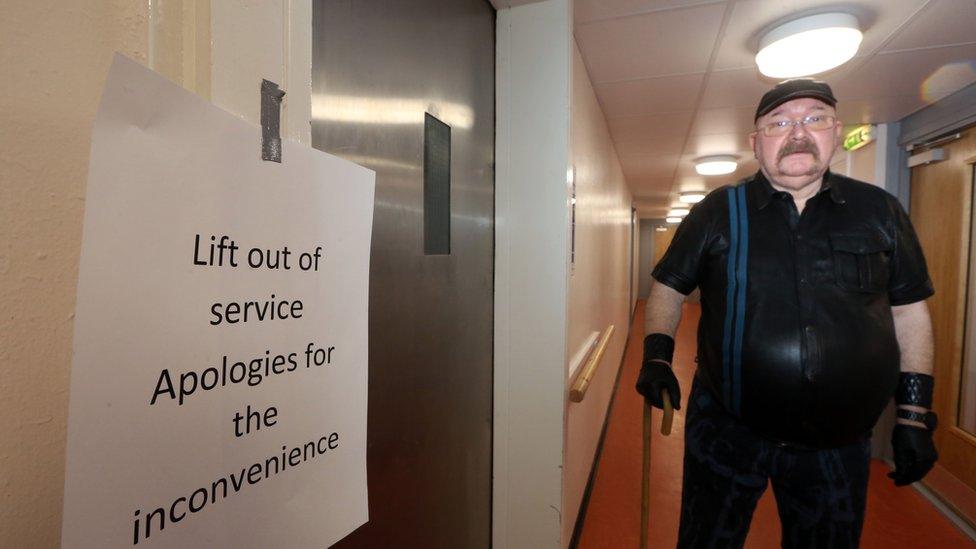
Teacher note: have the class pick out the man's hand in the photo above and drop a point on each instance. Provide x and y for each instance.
(914, 454)
(912, 438)
(656, 373)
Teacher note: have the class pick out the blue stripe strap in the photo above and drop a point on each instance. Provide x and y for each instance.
(740, 300)
(730, 297)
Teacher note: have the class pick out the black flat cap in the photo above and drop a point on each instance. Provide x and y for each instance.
(795, 88)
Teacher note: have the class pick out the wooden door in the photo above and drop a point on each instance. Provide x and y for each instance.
(662, 239)
(941, 211)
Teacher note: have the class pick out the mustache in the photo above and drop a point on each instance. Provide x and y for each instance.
(802, 146)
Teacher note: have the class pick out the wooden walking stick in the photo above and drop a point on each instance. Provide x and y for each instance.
(646, 476)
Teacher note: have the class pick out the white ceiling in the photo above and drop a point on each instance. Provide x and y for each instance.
(676, 78)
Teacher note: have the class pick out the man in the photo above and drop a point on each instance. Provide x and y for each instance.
(813, 316)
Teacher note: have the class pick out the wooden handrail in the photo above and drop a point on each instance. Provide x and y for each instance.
(582, 381)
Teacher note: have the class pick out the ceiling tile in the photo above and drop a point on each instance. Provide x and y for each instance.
(740, 88)
(654, 195)
(878, 109)
(724, 120)
(750, 18)
(649, 96)
(940, 23)
(660, 43)
(655, 190)
(659, 189)
(649, 127)
(649, 199)
(595, 10)
(719, 143)
(929, 74)
(646, 209)
(651, 147)
(649, 167)
(652, 191)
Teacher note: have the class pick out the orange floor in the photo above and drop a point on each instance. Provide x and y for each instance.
(895, 517)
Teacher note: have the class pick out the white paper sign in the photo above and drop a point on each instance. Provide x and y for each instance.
(218, 384)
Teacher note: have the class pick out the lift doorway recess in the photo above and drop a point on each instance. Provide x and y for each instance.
(377, 69)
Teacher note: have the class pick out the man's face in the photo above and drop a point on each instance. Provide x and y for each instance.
(800, 156)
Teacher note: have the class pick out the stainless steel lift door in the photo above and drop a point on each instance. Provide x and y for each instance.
(377, 68)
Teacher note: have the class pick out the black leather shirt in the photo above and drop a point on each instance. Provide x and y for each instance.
(796, 336)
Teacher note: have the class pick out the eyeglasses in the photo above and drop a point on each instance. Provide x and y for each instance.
(813, 123)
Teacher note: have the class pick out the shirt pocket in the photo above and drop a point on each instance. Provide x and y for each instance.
(861, 261)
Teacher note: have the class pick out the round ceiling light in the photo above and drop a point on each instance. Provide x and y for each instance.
(678, 212)
(692, 197)
(809, 45)
(673, 220)
(716, 165)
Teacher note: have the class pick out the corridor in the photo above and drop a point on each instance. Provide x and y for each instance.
(895, 517)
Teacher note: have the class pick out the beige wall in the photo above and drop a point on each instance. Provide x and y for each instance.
(860, 163)
(599, 284)
(54, 57)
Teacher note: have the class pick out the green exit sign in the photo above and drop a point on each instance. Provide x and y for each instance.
(858, 137)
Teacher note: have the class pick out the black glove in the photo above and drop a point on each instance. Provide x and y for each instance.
(915, 453)
(656, 373)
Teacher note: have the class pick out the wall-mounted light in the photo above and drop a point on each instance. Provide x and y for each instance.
(673, 219)
(692, 197)
(716, 165)
(809, 45)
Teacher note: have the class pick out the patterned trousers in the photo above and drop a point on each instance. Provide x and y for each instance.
(820, 494)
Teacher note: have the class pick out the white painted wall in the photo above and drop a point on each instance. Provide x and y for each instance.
(264, 39)
(55, 59)
(599, 287)
(534, 55)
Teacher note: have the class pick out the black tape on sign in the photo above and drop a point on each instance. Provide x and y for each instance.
(271, 96)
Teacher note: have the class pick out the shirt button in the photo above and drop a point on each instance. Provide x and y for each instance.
(803, 280)
(809, 329)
